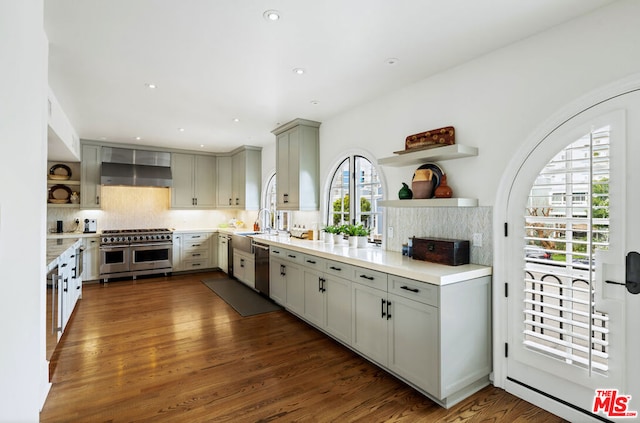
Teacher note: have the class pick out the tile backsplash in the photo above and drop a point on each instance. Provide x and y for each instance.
(138, 207)
(443, 222)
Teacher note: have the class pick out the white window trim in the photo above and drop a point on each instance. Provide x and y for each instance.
(337, 160)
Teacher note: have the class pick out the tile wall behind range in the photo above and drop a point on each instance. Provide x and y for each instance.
(138, 207)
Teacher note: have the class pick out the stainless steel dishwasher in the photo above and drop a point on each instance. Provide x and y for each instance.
(261, 256)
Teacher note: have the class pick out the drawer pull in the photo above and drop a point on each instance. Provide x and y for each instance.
(369, 278)
(311, 261)
(410, 289)
(291, 256)
(195, 245)
(195, 236)
(335, 268)
(195, 255)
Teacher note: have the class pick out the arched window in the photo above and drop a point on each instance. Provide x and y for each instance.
(278, 219)
(355, 177)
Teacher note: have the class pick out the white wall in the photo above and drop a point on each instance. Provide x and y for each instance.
(23, 125)
(494, 102)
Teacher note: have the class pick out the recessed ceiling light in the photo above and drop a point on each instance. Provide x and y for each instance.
(299, 71)
(236, 120)
(314, 102)
(150, 86)
(271, 15)
(181, 129)
(391, 61)
(138, 138)
(201, 145)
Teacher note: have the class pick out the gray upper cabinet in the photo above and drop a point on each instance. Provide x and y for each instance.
(225, 188)
(240, 179)
(194, 181)
(90, 177)
(297, 165)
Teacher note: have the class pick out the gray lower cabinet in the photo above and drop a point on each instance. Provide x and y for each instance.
(436, 338)
(327, 299)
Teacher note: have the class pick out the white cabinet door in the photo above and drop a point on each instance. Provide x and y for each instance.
(244, 268)
(277, 281)
(91, 264)
(194, 181)
(90, 177)
(294, 287)
(205, 181)
(182, 185)
(283, 171)
(314, 297)
(370, 322)
(238, 179)
(224, 165)
(337, 293)
(176, 260)
(414, 343)
(297, 165)
(223, 254)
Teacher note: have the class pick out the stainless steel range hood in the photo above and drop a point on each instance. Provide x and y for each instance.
(123, 166)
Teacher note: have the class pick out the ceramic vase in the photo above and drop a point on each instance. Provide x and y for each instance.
(422, 184)
(444, 190)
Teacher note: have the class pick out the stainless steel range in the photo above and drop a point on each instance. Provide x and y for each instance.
(133, 252)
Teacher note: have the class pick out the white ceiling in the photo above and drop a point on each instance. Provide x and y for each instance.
(216, 60)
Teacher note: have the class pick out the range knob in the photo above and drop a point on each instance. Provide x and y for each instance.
(112, 239)
(135, 238)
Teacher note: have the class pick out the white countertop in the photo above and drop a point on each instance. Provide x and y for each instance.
(375, 258)
(56, 247)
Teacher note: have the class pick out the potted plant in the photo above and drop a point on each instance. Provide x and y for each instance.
(357, 235)
(330, 233)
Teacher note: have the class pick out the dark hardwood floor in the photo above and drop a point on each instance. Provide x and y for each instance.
(169, 349)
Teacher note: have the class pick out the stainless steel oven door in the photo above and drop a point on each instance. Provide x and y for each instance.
(114, 259)
(151, 256)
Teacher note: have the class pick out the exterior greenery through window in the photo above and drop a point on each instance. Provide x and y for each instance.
(356, 177)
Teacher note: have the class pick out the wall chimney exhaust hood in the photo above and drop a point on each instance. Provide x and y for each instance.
(123, 166)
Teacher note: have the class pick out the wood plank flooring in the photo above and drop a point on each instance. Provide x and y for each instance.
(170, 350)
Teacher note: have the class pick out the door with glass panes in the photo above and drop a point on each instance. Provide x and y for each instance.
(571, 223)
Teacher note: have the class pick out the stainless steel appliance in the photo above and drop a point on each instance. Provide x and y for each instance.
(261, 255)
(134, 252)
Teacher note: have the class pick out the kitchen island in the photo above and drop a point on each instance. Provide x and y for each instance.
(428, 324)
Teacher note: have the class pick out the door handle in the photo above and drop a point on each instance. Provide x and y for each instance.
(632, 273)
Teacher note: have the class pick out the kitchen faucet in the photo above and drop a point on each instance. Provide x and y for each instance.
(266, 227)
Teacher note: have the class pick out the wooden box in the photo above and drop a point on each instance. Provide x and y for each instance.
(429, 139)
(452, 252)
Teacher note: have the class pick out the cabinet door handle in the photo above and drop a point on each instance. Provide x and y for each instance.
(66, 284)
(285, 198)
(311, 261)
(195, 245)
(98, 200)
(237, 201)
(410, 289)
(291, 256)
(319, 284)
(388, 312)
(195, 264)
(335, 268)
(230, 201)
(241, 262)
(196, 200)
(369, 278)
(382, 304)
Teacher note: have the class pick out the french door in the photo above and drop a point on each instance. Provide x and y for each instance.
(573, 216)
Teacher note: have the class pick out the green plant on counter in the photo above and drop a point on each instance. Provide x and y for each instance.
(332, 229)
(355, 230)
